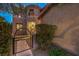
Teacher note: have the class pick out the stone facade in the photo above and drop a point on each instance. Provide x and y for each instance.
(66, 17)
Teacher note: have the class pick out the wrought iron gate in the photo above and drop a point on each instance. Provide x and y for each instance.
(21, 40)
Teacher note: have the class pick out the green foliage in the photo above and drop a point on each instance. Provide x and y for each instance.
(16, 10)
(45, 33)
(57, 52)
(5, 38)
(1, 19)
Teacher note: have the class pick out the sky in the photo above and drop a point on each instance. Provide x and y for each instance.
(9, 17)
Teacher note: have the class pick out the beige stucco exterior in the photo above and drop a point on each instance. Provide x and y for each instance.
(66, 17)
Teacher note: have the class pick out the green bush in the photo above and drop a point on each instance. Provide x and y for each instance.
(5, 44)
(57, 52)
(44, 35)
(5, 39)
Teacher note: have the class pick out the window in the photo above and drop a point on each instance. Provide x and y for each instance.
(31, 12)
(37, 12)
(19, 26)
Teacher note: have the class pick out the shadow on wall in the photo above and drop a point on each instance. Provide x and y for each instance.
(75, 39)
(70, 38)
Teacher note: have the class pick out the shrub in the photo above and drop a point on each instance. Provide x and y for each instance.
(5, 44)
(57, 52)
(5, 39)
(44, 35)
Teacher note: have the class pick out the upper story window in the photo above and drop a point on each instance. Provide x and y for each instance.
(31, 12)
(37, 12)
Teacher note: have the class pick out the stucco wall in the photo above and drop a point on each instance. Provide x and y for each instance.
(66, 17)
(16, 21)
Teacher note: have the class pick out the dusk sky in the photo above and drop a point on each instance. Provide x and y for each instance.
(8, 17)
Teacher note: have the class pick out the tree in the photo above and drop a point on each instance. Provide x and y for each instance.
(1, 23)
(5, 37)
(44, 35)
(1, 19)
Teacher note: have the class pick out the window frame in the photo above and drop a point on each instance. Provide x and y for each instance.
(31, 12)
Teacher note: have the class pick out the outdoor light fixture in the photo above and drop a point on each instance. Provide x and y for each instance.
(31, 26)
(19, 16)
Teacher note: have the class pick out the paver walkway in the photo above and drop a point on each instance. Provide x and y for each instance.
(21, 47)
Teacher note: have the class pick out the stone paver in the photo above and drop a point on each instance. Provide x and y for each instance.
(22, 48)
(21, 45)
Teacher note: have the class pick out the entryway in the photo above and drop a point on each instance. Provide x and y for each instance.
(23, 44)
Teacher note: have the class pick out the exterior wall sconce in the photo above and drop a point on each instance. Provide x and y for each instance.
(19, 16)
(31, 27)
